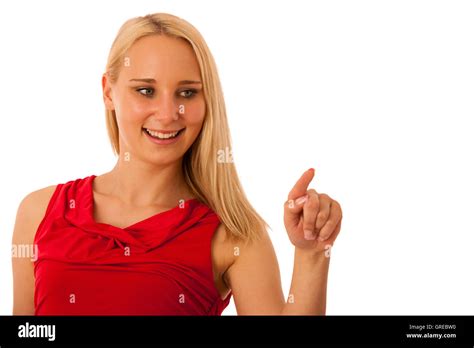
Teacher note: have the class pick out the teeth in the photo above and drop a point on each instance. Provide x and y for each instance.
(161, 135)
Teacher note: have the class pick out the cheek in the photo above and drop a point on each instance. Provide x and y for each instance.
(132, 109)
(130, 112)
(194, 114)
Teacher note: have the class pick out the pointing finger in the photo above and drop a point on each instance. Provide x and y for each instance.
(301, 185)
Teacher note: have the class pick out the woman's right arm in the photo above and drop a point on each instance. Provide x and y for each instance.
(29, 215)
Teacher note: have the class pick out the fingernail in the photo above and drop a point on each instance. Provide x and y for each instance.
(301, 200)
(309, 235)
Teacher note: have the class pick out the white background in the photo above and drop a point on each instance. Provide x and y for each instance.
(376, 95)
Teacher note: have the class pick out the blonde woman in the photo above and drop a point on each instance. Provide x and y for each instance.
(168, 231)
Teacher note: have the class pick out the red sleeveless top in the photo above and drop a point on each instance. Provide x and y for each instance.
(159, 266)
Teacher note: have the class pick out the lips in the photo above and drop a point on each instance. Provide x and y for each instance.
(163, 134)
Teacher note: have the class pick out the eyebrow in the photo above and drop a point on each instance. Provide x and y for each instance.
(183, 82)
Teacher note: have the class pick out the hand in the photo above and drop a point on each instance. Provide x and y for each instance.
(312, 220)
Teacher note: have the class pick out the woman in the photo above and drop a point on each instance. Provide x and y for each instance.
(168, 230)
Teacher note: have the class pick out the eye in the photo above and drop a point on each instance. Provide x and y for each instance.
(146, 91)
(189, 93)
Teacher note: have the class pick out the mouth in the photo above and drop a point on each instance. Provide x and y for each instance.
(163, 135)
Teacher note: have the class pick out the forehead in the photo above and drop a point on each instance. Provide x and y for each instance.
(159, 57)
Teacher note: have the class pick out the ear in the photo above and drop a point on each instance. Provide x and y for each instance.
(107, 92)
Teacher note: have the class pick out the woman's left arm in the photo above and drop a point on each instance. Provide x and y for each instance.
(312, 222)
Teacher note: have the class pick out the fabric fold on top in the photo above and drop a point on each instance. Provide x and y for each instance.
(165, 259)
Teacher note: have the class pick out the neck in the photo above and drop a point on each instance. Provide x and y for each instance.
(138, 183)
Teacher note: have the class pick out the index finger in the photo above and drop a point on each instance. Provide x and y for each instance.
(301, 185)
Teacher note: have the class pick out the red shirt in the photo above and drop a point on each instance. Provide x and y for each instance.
(159, 266)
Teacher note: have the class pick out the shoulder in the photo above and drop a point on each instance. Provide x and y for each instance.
(254, 250)
(34, 202)
(243, 254)
(31, 211)
(29, 215)
(240, 247)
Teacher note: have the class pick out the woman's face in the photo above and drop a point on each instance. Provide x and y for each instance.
(158, 91)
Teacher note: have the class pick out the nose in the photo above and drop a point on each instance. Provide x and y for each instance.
(166, 108)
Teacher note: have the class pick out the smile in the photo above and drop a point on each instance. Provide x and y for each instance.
(163, 135)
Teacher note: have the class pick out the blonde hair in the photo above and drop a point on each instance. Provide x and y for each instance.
(213, 183)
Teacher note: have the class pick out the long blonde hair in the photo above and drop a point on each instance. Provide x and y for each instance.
(214, 183)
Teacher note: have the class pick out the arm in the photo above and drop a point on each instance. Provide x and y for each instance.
(29, 215)
(313, 222)
(254, 278)
(309, 284)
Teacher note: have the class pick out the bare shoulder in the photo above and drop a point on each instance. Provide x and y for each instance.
(241, 254)
(227, 250)
(249, 252)
(30, 213)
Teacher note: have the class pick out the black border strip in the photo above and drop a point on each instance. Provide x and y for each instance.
(224, 330)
